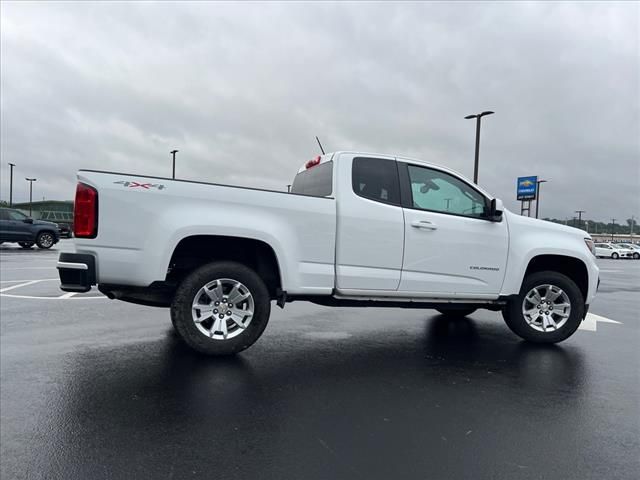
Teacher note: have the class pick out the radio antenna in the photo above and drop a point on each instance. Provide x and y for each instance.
(320, 145)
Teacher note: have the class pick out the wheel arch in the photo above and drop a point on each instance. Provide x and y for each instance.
(194, 251)
(572, 267)
(45, 229)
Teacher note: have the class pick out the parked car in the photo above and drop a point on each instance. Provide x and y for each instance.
(611, 250)
(358, 230)
(18, 228)
(635, 249)
(65, 230)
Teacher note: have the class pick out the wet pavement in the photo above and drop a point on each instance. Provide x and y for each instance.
(95, 388)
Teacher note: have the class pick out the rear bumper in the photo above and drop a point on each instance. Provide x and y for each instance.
(77, 272)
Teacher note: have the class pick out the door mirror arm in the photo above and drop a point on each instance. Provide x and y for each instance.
(495, 210)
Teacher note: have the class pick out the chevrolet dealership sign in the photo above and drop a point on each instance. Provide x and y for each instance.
(527, 188)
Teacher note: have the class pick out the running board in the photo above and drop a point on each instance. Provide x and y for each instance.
(474, 301)
(391, 302)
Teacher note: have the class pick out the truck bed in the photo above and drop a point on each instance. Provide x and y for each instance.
(141, 220)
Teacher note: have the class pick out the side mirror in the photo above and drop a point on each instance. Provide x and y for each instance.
(28, 220)
(495, 210)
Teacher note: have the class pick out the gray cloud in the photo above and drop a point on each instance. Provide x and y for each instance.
(241, 90)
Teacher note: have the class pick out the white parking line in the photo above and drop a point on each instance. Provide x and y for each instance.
(30, 282)
(25, 280)
(61, 297)
(53, 265)
(25, 283)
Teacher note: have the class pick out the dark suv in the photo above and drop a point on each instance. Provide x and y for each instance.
(16, 227)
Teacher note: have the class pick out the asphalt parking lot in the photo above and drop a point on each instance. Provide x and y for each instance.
(95, 388)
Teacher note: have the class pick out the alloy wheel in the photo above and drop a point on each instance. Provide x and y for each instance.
(546, 308)
(222, 309)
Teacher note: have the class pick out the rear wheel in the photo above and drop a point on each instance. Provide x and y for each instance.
(636, 255)
(26, 244)
(456, 312)
(221, 308)
(615, 256)
(548, 309)
(45, 240)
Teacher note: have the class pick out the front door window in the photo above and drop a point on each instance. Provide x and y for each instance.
(438, 191)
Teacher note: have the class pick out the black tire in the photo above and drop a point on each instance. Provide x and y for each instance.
(26, 245)
(456, 312)
(182, 319)
(516, 321)
(615, 256)
(45, 240)
(636, 256)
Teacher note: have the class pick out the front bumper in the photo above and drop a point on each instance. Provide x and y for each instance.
(77, 272)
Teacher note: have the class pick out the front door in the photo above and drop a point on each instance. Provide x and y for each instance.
(451, 248)
(19, 228)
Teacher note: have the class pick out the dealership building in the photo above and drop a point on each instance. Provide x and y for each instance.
(52, 210)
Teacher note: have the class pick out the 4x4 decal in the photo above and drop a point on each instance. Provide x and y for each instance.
(146, 186)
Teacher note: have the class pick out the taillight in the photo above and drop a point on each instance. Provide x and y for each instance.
(85, 212)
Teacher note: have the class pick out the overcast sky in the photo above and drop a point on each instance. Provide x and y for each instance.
(242, 89)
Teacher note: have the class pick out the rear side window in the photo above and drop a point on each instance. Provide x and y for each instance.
(376, 179)
(315, 181)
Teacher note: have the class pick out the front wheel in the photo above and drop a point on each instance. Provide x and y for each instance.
(45, 240)
(636, 256)
(221, 308)
(548, 309)
(615, 256)
(456, 312)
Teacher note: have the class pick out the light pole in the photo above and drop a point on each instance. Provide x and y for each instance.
(613, 227)
(173, 152)
(11, 165)
(580, 212)
(30, 180)
(478, 117)
(538, 196)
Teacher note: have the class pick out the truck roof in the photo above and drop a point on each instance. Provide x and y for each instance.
(329, 156)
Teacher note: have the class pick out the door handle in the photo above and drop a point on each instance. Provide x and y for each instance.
(424, 224)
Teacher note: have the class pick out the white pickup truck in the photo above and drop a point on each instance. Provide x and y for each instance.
(357, 230)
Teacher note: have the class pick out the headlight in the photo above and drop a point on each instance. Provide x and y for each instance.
(590, 246)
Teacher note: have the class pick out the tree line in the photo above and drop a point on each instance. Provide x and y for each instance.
(621, 228)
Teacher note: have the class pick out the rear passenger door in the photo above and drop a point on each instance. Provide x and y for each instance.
(370, 229)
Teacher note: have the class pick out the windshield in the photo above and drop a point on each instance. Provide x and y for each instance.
(16, 215)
